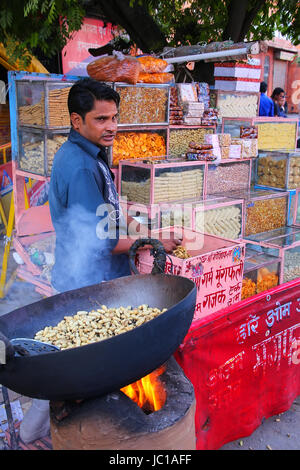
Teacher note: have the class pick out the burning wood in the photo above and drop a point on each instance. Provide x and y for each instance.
(148, 392)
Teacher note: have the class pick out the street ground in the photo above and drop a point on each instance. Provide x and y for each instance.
(280, 432)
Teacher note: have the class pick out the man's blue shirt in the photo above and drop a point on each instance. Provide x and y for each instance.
(266, 106)
(77, 193)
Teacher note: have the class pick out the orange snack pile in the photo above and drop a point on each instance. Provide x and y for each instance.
(265, 280)
(248, 288)
(155, 77)
(141, 145)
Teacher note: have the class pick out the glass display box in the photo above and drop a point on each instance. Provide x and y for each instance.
(221, 217)
(146, 215)
(234, 104)
(176, 214)
(37, 148)
(138, 144)
(296, 215)
(180, 137)
(285, 244)
(261, 272)
(160, 215)
(214, 264)
(43, 103)
(40, 121)
(273, 133)
(264, 210)
(228, 175)
(161, 181)
(292, 199)
(278, 169)
(145, 104)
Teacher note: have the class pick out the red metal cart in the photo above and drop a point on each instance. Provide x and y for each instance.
(244, 363)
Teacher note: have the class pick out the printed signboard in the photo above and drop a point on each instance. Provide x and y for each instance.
(75, 55)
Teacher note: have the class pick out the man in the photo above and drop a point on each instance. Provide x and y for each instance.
(266, 105)
(83, 199)
(84, 210)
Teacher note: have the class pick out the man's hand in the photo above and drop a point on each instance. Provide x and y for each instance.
(170, 244)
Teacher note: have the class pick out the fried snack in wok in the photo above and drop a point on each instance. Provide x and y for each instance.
(90, 327)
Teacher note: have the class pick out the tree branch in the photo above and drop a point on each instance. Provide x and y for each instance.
(141, 27)
(236, 11)
(249, 19)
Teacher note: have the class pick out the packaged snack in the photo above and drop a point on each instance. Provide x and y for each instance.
(115, 69)
(155, 77)
(248, 132)
(151, 64)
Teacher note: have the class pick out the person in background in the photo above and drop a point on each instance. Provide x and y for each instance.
(266, 105)
(278, 97)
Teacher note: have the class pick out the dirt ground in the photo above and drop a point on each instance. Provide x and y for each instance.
(280, 432)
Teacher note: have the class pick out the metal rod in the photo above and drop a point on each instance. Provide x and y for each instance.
(11, 427)
(207, 55)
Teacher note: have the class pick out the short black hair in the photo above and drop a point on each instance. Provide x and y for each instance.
(277, 92)
(85, 92)
(263, 87)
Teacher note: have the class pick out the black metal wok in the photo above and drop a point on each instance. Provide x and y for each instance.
(99, 368)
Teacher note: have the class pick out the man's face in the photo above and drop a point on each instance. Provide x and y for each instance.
(99, 125)
(281, 99)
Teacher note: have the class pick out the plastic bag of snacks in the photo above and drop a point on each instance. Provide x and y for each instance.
(115, 69)
(156, 78)
(151, 64)
(249, 132)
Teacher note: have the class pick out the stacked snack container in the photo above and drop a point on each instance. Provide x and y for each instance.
(228, 175)
(273, 133)
(265, 211)
(165, 181)
(296, 218)
(42, 120)
(278, 170)
(180, 137)
(221, 217)
(143, 104)
(283, 243)
(261, 272)
(139, 144)
(232, 104)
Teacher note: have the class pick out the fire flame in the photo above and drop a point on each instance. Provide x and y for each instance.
(148, 392)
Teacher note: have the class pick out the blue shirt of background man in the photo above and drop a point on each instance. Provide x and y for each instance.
(266, 106)
(279, 111)
(77, 189)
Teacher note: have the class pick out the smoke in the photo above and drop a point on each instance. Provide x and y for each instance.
(84, 243)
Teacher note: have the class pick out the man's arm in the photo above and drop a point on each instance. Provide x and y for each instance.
(86, 203)
(141, 231)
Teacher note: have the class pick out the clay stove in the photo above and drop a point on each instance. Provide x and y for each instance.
(116, 422)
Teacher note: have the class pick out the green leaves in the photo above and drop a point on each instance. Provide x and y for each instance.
(205, 20)
(46, 24)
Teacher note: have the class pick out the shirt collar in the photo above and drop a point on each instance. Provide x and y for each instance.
(86, 145)
(90, 148)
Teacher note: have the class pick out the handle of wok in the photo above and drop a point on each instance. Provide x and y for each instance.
(159, 255)
(7, 350)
